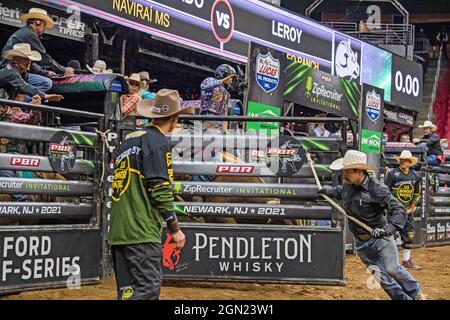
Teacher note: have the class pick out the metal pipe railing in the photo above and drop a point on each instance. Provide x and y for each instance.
(436, 82)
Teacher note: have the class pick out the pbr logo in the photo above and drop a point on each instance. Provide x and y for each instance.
(25, 162)
(285, 156)
(373, 105)
(267, 72)
(61, 152)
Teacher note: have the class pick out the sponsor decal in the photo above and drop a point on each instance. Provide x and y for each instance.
(122, 179)
(171, 254)
(373, 105)
(431, 232)
(222, 21)
(30, 210)
(230, 211)
(267, 72)
(25, 162)
(285, 156)
(62, 152)
(235, 169)
(440, 228)
(127, 293)
(405, 192)
(346, 61)
(255, 109)
(371, 141)
(447, 227)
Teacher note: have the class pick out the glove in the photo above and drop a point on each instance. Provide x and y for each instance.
(328, 191)
(379, 233)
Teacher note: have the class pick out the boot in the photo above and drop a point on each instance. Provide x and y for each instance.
(410, 265)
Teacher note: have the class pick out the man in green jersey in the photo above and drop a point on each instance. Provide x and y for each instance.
(143, 200)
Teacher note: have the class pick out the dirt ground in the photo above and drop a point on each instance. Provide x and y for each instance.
(434, 279)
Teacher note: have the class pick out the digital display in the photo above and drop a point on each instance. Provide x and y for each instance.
(377, 69)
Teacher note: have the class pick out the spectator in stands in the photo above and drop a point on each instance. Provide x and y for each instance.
(442, 38)
(37, 20)
(76, 66)
(14, 76)
(99, 67)
(145, 85)
(404, 137)
(435, 156)
(17, 115)
(128, 102)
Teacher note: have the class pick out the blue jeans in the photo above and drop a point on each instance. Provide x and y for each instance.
(432, 160)
(41, 83)
(381, 256)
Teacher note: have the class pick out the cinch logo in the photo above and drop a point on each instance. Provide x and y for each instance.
(234, 169)
(60, 148)
(171, 254)
(25, 162)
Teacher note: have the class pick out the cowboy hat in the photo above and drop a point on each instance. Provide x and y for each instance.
(99, 68)
(134, 77)
(167, 102)
(146, 76)
(407, 155)
(352, 160)
(22, 50)
(428, 124)
(40, 14)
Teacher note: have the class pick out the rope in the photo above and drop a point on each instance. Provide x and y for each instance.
(105, 143)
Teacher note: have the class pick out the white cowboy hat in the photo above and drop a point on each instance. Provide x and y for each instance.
(40, 14)
(407, 155)
(99, 68)
(167, 102)
(134, 77)
(22, 50)
(428, 124)
(146, 76)
(352, 160)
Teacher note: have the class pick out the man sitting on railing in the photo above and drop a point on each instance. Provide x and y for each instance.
(37, 22)
(435, 156)
(14, 76)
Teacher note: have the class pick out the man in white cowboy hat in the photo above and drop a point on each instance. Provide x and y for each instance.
(37, 20)
(99, 67)
(368, 200)
(146, 94)
(435, 155)
(14, 76)
(143, 200)
(405, 187)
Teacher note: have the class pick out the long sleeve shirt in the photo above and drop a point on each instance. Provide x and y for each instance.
(372, 203)
(433, 142)
(405, 187)
(26, 34)
(12, 80)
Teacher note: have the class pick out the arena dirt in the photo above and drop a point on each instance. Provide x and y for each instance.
(434, 278)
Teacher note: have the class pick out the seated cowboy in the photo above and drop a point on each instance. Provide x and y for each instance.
(37, 21)
(14, 76)
(435, 155)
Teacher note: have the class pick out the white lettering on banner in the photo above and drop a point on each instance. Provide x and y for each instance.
(223, 20)
(11, 185)
(8, 14)
(321, 91)
(206, 189)
(253, 249)
(286, 32)
(37, 263)
(198, 3)
(27, 210)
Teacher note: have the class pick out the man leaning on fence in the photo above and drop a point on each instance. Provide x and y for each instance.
(367, 199)
(143, 200)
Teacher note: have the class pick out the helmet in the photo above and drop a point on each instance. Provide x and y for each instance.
(224, 70)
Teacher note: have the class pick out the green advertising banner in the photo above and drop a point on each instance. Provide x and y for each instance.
(321, 91)
(371, 123)
(255, 109)
(370, 141)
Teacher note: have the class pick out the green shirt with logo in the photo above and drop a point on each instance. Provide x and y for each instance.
(141, 188)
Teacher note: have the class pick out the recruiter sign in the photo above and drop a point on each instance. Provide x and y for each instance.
(37, 257)
(256, 253)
